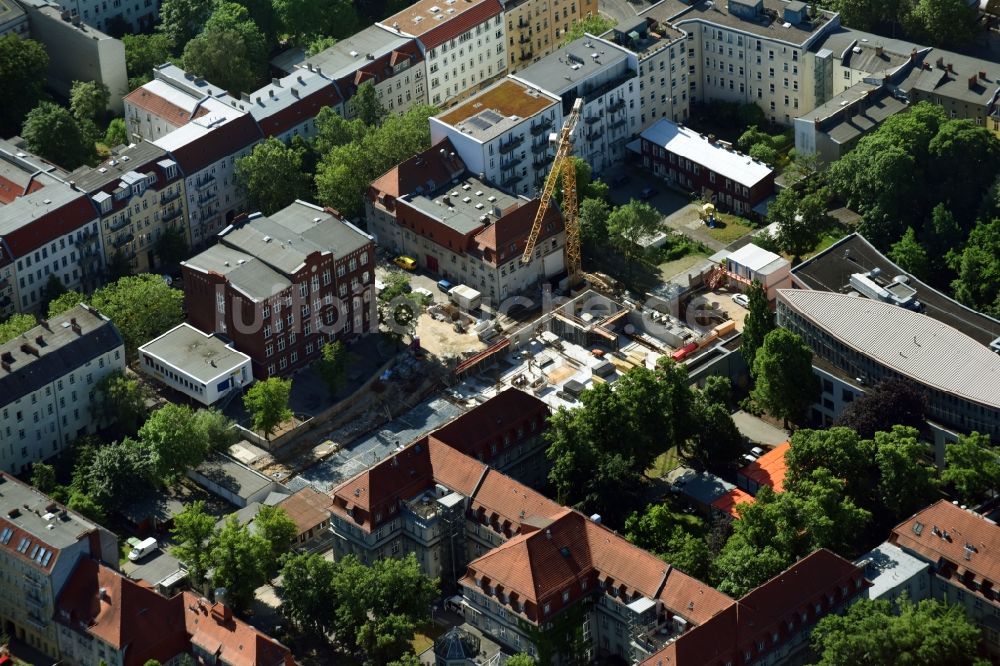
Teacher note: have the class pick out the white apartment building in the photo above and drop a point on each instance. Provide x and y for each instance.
(168, 102)
(139, 194)
(41, 543)
(663, 68)
(47, 379)
(754, 51)
(288, 106)
(605, 76)
(393, 64)
(115, 17)
(51, 231)
(463, 42)
(502, 133)
(206, 150)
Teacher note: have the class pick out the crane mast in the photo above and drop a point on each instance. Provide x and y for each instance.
(562, 167)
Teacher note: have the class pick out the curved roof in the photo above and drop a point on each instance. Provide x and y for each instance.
(909, 343)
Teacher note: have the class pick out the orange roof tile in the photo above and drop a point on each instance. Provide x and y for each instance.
(727, 503)
(514, 228)
(214, 630)
(124, 614)
(439, 26)
(503, 500)
(769, 469)
(162, 108)
(415, 172)
(307, 508)
(501, 412)
(943, 531)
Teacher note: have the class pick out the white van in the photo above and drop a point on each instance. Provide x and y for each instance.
(144, 548)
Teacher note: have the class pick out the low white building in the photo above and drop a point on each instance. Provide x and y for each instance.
(502, 133)
(199, 365)
(751, 263)
(47, 379)
(893, 572)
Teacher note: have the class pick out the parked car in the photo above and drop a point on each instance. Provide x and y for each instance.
(406, 263)
(142, 549)
(648, 193)
(757, 451)
(445, 286)
(741, 299)
(747, 459)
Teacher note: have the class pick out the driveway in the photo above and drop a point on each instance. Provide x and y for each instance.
(154, 567)
(758, 430)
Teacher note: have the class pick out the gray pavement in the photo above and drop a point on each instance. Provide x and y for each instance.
(759, 431)
(154, 567)
(361, 455)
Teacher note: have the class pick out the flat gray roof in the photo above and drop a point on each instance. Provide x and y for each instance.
(62, 529)
(231, 475)
(134, 157)
(29, 208)
(716, 12)
(857, 110)
(195, 353)
(457, 213)
(61, 350)
(347, 55)
(888, 566)
(566, 67)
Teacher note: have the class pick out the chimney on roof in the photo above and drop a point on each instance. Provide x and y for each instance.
(39, 340)
(45, 325)
(982, 75)
(103, 595)
(75, 326)
(973, 82)
(548, 534)
(951, 69)
(276, 82)
(879, 51)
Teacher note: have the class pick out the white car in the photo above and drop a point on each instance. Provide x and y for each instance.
(757, 451)
(741, 300)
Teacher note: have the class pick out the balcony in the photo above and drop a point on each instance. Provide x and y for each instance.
(207, 199)
(524, 40)
(507, 165)
(123, 240)
(540, 149)
(167, 197)
(509, 183)
(616, 106)
(84, 237)
(541, 127)
(618, 123)
(539, 164)
(204, 182)
(171, 214)
(521, 23)
(590, 120)
(115, 225)
(594, 136)
(526, 55)
(511, 145)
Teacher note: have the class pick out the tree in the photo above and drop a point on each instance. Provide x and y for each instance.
(757, 324)
(594, 24)
(118, 473)
(173, 440)
(192, 532)
(319, 45)
(786, 385)
(86, 506)
(15, 325)
(716, 441)
(120, 400)
(239, 558)
(144, 52)
(751, 137)
(278, 531)
(65, 301)
(929, 633)
(267, 402)
(231, 51)
(764, 152)
(332, 367)
(970, 466)
(865, 14)
(272, 176)
(905, 483)
(333, 130)
(410, 659)
(801, 220)
(53, 132)
(181, 20)
(839, 450)
(830, 517)
(171, 248)
(43, 477)
(116, 134)
(521, 659)
(215, 428)
(740, 568)
(264, 16)
(628, 225)
(53, 289)
(306, 582)
(942, 22)
(365, 105)
(88, 100)
(594, 223)
(23, 66)
(651, 529)
(978, 283)
(305, 20)
(151, 662)
(141, 307)
(910, 254)
(893, 401)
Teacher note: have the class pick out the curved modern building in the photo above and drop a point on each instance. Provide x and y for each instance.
(871, 340)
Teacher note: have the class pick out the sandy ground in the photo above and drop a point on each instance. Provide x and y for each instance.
(440, 339)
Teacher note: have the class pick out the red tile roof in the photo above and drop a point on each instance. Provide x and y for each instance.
(9, 190)
(471, 432)
(221, 141)
(727, 503)
(944, 532)
(128, 616)
(769, 469)
(507, 504)
(773, 610)
(161, 108)
(307, 508)
(434, 32)
(234, 642)
(513, 229)
(302, 110)
(51, 225)
(415, 172)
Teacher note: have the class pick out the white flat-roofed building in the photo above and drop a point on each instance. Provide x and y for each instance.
(199, 365)
(503, 134)
(689, 160)
(751, 263)
(892, 572)
(872, 340)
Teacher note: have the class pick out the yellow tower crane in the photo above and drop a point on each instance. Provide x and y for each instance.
(562, 167)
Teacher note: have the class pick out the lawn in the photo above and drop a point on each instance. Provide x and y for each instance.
(669, 269)
(664, 462)
(729, 228)
(425, 636)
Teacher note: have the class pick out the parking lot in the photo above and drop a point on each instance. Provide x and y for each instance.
(154, 567)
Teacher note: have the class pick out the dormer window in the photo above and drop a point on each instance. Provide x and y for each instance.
(106, 206)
